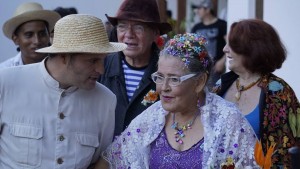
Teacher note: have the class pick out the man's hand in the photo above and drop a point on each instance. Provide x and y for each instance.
(102, 164)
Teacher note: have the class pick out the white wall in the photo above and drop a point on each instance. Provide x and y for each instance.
(238, 9)
(284, 16)
(94, 7)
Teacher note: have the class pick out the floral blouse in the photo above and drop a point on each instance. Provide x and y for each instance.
(279, 111)
(226, 134)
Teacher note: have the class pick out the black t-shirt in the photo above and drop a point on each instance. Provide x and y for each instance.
(215, 37)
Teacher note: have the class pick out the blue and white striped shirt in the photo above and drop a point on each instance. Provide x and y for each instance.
(133, 77)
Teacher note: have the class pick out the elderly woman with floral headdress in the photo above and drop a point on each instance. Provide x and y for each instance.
(189, 127)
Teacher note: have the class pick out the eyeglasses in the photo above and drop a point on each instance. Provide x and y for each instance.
(138, 29)
(173, 80)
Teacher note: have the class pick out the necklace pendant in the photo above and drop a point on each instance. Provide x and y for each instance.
(180, 132)
(174, 125)
(238, 95)
(241, 88)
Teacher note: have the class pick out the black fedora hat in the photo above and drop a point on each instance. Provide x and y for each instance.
(145, 11)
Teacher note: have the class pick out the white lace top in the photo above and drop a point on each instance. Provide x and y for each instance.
(226, 134)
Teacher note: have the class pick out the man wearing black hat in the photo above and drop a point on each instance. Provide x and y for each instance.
(29, 29)
(128, 73)
(214, 29)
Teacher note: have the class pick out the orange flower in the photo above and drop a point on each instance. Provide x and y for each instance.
(150, 97)
(263, 161)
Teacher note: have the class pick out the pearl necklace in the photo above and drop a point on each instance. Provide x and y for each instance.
(241, 88)
(179, 133)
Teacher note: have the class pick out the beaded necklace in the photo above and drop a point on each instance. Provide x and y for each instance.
(241, 88)
(179, 134)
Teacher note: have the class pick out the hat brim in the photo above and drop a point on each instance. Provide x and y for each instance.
(201, 6)
(12, 24)
(111, 47)
(195, 6)
(163, 27)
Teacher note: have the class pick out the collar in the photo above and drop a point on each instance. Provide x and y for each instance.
(17, 60)
(50, 81)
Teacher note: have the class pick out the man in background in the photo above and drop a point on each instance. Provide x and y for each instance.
(63, 12)
(128, 73)
(214, 29)
(29, 29)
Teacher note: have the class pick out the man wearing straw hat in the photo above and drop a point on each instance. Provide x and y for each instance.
(128, 73)
(54, 114)
(29, 29)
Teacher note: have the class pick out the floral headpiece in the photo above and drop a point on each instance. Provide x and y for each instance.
(187, 46)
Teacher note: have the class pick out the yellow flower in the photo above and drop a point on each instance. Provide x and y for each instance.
(228, 164)
(285, 140)
(271, 138)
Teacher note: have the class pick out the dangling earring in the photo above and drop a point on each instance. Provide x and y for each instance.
(18, 49)
(200, 102)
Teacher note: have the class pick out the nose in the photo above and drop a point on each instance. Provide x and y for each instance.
(226, 49)
(36, 39)
(165, 86)
(129, 32)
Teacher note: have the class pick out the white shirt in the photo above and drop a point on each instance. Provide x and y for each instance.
(45, 127)
(15, 61)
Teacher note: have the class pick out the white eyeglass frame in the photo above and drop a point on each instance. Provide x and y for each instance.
(181, 78)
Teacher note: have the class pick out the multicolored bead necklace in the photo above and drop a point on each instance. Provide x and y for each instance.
(179, 134)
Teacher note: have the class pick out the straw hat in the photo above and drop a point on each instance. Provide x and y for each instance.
(29, 12)
(145, 11)
(80, 33)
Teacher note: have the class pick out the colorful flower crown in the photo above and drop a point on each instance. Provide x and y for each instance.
(186, 46)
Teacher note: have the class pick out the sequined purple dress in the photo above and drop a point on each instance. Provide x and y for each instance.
(163, 156)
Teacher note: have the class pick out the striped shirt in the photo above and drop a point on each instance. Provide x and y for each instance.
(133, 77)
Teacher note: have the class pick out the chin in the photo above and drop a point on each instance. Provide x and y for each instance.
(130, 53)
(88, 87)
(39, 58)
(230, 67)
(168, 107)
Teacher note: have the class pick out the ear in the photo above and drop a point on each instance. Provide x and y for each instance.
(65, 58)
(15, 39)
(201, 81)
(155, 34)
